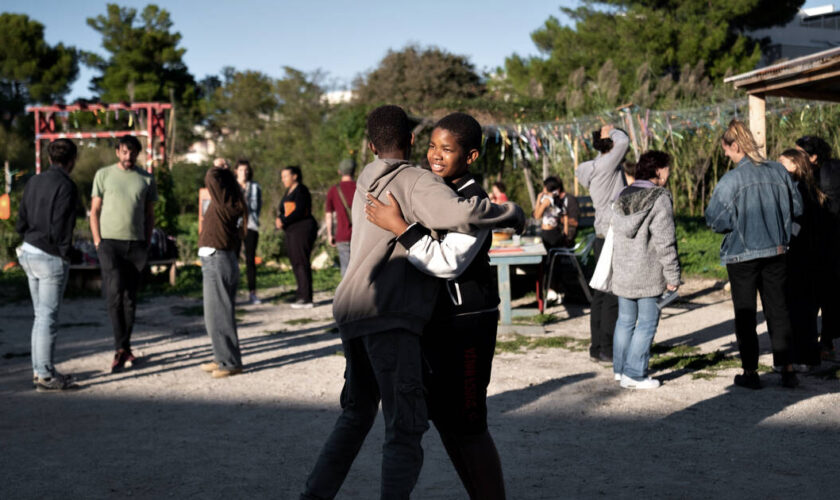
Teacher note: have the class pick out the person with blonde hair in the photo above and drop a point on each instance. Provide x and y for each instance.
(754, 205)
(808, 239)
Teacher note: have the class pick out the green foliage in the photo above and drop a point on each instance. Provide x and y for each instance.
(699, 249)
(516, 343)
(166, 208)
(187, 179)
(144, 59)
(30, 69)
(600, 61)
(418, 78)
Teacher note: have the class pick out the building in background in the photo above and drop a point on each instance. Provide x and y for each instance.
(811, 30)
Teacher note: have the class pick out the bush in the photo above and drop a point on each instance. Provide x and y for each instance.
(166, 208)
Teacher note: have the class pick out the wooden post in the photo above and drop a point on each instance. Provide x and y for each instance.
(757, 122)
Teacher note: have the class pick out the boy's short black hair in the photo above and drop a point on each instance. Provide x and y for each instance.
(553, 184)
(249, 172)
(501, 186)
(62, 152)
(389, 128)
(464, 127)
(130, 142)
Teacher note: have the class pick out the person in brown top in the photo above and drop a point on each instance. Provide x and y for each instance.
(218, 244)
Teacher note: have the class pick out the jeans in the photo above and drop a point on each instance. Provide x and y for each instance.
(343, 248)
(220, 273)
(602, 316)
(382, 366)
(768, 276)
(121, 262)
(47, 276)
(634, 331)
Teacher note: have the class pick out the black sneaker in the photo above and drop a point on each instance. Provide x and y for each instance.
(789, 380)
(57, 382)
(122, 359)
(748, 380)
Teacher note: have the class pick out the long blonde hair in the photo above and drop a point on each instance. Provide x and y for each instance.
(738, 132)
(803, 172)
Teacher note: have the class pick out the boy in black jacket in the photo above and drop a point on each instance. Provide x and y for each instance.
(459, 342)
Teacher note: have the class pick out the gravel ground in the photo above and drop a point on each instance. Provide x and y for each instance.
(563, 427)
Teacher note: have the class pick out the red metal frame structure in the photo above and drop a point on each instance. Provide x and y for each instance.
(155, 126)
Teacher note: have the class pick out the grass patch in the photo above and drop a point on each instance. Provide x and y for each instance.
(196, 310)
(299, 321)
(699, 248)
(689, 359)
(520, 342)
(537, 319)
(240, 314)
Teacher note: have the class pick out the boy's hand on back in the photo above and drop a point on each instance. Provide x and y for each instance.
(388, 217)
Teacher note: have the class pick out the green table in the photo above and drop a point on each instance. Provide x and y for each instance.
(506, 256)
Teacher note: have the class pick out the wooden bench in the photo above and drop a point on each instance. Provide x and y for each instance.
(84, 272)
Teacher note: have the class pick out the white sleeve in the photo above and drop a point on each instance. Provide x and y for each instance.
(449, 257)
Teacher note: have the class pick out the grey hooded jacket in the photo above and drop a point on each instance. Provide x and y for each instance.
(645, 243)
(604, 178)
(382, 290)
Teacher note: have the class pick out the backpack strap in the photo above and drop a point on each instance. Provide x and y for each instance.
(345, 204)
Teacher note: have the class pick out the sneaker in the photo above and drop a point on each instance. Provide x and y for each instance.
(253, 300)
(209, 367)
(57, 382)
(748, 380)
(617, 377)
(122, 359)
(600, 358)
(551, 296)
(789, 380)
(646, 383)
(302, 304)
(226, 372)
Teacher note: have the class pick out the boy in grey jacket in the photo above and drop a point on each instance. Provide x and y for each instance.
(381, 307)
(604, 178)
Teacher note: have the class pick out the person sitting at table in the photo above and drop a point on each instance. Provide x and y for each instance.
(558, 212)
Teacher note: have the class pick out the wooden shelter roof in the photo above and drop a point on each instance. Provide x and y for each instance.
(815, 76)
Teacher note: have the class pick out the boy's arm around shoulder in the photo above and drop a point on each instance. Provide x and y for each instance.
(434, 205)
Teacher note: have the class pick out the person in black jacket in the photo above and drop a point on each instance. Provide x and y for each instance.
(802, 288)
(294, 216)
(827, 175)
(46, 221)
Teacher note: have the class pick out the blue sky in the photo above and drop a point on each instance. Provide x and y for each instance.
(342, 38)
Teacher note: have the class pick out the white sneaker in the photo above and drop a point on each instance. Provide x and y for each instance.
(616, 377)
(552, 296)
(302, 305)
(648, 383)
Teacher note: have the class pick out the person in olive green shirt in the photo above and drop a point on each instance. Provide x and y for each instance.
(121, 220)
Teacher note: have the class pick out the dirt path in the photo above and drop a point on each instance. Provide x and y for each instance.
(563, 427)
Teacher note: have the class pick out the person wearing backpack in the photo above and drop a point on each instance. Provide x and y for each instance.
(338, 208)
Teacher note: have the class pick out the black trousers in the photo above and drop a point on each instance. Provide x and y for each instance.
(603, 315)
(121, 262)
(300, 237)
(251, 240)
(768, 276)
(803, 302)
(386, 367)
(829, 277)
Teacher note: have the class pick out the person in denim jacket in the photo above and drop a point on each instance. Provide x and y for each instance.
(753, 205)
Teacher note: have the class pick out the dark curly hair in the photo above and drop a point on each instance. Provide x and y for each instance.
(465, 128)
(649, 163)
(389, 128)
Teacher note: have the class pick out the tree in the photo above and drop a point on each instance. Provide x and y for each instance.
(144, 62)
(417, 78)
(30, 69)
(665, 36)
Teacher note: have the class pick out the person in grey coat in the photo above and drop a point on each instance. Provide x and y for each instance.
(644, 265)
